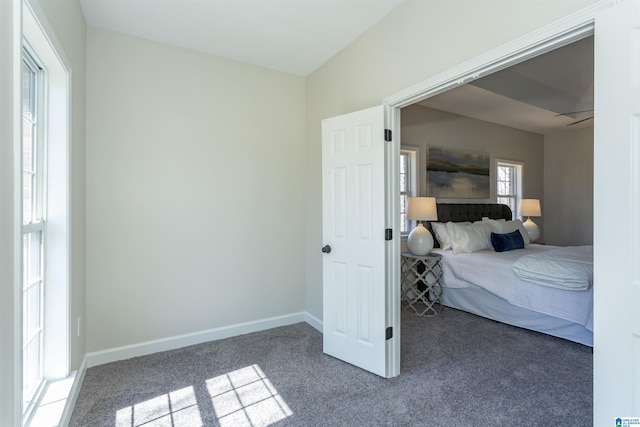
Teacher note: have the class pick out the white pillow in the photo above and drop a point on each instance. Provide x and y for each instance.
(442, 234)
(496, 224)
(500, 226)
(469, 238)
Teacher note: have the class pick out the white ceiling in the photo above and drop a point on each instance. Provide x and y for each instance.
(530, 95)
(294, 36)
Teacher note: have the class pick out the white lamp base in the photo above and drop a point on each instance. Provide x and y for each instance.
(420, 241)
(532, 230)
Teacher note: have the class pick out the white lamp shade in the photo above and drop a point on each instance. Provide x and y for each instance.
(530, 207)
(420, 241)
(422, 209)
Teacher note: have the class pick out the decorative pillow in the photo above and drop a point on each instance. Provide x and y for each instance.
(442, 234)
(507, 241)
(469, 238)
(500, 226)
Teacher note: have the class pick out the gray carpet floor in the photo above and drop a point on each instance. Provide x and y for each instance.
(457, 369)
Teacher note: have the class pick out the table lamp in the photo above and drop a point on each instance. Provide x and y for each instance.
(420, 241)
(529, 208)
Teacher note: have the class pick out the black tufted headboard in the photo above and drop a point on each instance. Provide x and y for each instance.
(459, 212)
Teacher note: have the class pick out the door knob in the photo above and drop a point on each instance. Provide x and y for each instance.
(326, 249)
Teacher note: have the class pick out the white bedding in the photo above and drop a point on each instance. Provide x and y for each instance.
(492, 271)
(569, 268)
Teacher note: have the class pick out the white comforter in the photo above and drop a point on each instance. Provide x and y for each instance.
(569, 268)
(492, 271)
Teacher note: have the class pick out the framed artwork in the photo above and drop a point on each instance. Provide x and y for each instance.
(457, 174)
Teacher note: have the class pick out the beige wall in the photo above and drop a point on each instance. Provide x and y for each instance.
(414, 42)
(194, 192)
(568, 188)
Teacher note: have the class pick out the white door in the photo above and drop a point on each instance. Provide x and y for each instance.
(617, 214)
(353, 209)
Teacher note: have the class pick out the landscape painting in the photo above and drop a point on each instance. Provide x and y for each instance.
(457, 174)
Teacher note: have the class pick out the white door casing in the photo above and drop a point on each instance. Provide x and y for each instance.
(617, 214)
(353, 212)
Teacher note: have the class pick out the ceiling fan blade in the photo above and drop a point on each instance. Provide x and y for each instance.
(574, 112)
(580, 121)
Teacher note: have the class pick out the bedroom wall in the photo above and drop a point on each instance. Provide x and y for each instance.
(423, 127)
(414, 42)
(195, 196)
(568, 187)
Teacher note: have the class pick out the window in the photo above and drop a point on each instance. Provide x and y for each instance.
(33, 230)
(46, 245)
(509, 185)
(408, 184)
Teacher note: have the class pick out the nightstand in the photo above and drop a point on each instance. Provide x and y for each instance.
(421, 283)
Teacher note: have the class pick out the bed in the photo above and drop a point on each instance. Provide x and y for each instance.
(483, 282)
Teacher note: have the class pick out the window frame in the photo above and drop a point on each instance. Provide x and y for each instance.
(40, 42)
(517, 184)
(413, 154)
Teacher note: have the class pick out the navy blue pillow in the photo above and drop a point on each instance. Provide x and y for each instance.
(507, 241)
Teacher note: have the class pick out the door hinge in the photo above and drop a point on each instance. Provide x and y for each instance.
(387, 135)
(388, 234)
(388, 334)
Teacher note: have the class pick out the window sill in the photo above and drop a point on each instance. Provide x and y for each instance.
(48, 412)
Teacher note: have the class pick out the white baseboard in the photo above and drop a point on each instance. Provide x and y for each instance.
(172, 343)
(314, 322)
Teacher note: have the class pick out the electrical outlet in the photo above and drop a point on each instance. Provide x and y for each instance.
(79, 318)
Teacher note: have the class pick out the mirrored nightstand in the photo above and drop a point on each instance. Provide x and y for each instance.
(421, 284)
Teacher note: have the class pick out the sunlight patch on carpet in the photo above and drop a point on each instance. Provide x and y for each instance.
(246, 397)
(178, 408)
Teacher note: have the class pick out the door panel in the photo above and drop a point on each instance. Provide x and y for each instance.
(353, 225)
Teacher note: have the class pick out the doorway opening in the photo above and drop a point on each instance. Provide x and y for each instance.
(535, 44)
